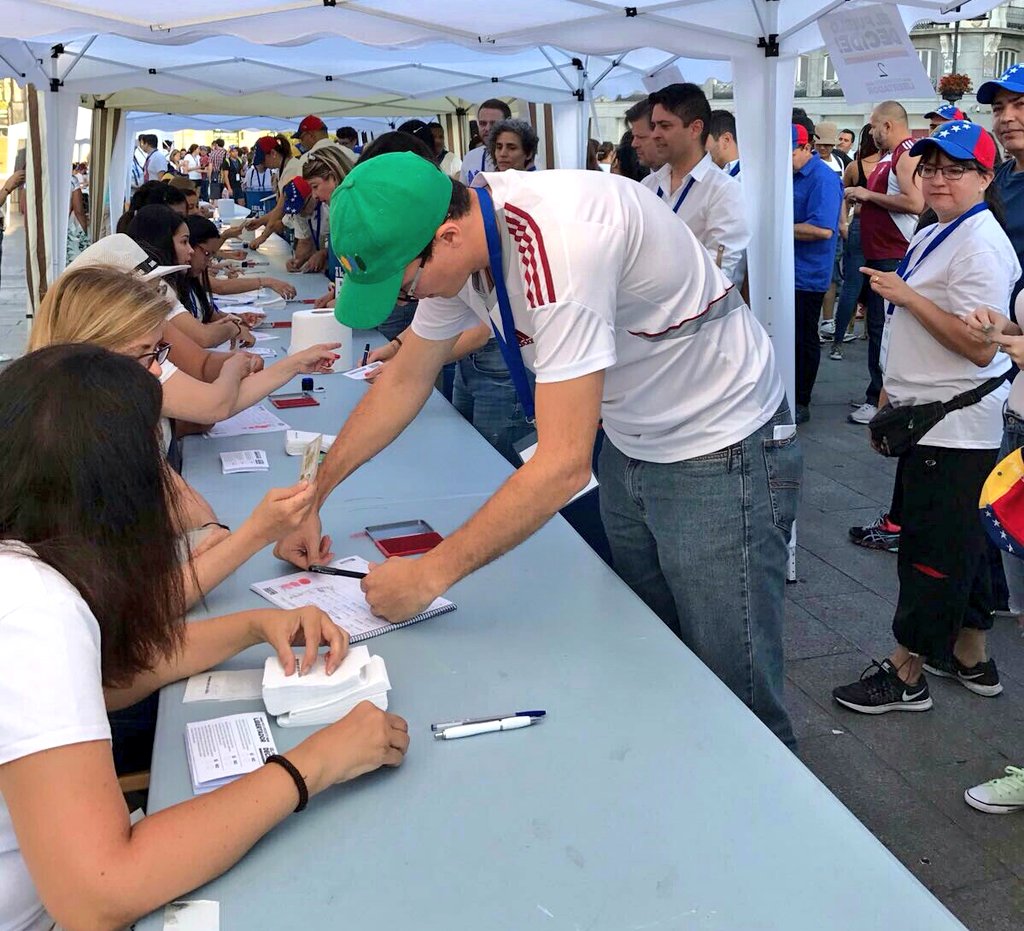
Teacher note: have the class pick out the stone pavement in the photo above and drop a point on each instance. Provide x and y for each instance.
(902, 775)
(13, 329)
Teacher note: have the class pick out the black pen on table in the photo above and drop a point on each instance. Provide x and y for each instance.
(330, 570)
(366, 354)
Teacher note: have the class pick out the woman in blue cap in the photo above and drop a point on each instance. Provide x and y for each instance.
(962, 262)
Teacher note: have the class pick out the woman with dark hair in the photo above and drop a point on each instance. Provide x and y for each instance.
(152, 192)
(270, 154)
(78, 504)
(512, 145)
(165, 237)
(625, 162)
(855, 284)
(959, 264)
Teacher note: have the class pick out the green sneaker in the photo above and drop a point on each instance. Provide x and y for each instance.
(1001, 796)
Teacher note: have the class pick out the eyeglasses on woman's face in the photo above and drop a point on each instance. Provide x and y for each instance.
(948, 172)
(158, 355)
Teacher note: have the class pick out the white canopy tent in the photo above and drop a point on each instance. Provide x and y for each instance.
(760, 38)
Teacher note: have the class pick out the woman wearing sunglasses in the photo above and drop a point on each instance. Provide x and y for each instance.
(962, 262)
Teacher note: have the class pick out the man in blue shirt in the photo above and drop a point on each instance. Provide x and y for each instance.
(817, 197)
(1007, 99)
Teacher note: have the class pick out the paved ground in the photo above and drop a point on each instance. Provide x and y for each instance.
(902, 775)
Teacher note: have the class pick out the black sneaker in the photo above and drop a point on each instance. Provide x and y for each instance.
(883, 534)
(883, 691)
(982, 678)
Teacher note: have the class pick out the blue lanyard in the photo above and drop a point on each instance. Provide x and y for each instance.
(904, 269)
(735, 170)
(509, 346)
(682, 197)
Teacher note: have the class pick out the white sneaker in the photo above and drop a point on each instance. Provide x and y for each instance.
(1001, 796)
(827, 328)
(863, 414)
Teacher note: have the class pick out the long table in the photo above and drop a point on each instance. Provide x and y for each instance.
(650, 797)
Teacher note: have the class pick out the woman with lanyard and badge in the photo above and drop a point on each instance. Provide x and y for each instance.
(963, 262)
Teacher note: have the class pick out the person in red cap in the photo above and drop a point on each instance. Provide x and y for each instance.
(928, 353)
(311, 136)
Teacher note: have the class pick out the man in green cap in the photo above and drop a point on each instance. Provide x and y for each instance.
(624, 318)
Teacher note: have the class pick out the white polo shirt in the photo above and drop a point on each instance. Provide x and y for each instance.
(713, 209)
(476, 160)
(975, 266)
(602, 277)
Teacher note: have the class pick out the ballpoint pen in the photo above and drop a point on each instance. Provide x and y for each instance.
(490, 717)
(486, 727)
(330, 570)
(366, 353)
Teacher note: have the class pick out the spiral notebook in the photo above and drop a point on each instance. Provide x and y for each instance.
(341, 598)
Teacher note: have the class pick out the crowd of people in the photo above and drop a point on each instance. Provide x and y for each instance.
(599, 317)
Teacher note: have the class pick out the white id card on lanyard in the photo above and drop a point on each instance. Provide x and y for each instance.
(527, 446)
(883, 348)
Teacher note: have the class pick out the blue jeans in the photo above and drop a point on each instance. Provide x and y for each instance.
(704, 542)
(484, 394)
(853, 280)
(1013, 567)
(875, 318)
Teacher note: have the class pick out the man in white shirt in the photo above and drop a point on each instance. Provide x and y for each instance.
(623, 317)
(477, 160)
(704, 198)
(826, 144)
(156, 162)
(638, 119)
(721, 144)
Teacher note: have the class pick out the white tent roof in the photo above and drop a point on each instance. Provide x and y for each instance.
(700, 28)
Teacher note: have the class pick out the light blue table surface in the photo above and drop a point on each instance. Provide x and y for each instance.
(649, 797)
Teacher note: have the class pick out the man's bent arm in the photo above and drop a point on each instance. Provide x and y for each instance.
(387, 409)
(567, 418)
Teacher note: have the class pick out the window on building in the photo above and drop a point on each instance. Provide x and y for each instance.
(932, 61)
(1005, 58)
(829, 74)
(803, 69)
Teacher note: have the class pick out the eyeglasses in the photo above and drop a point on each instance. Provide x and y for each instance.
(408, 295)
(949, 172)
(158, 355)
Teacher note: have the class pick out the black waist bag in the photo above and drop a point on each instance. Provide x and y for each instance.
(896, 430)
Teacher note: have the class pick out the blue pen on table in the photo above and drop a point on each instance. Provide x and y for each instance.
(449, 730)
(366, 354)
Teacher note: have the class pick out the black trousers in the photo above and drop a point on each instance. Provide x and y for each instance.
(808, 346)
(943, 566)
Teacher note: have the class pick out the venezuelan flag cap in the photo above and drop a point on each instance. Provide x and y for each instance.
(1002, 504)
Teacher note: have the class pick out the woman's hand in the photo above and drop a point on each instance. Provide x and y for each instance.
(889, 286)
(317, 360)
(286, 290)
(282, 511)
(1013, 346)
(238, 365)
(256, 363)
(383, 353)
(362, 741)
(251, 319)
(984, 324)
(327, 300)
(245, 337)
(307, 626)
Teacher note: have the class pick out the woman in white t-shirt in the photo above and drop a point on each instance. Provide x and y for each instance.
(120, 312)
(190, 164)
(79, 637)
(963, 262)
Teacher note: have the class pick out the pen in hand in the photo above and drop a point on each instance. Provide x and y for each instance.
(366, 354)
(330, 570)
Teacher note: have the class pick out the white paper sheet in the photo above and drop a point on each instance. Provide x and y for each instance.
(222, 749)
(225, 685)
(244, 460)
(255, 419)
(197, 915)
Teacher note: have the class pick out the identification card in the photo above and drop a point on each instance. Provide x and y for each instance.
(311, 460)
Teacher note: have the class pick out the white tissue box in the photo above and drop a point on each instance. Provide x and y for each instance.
(316, 698)
(296, 441)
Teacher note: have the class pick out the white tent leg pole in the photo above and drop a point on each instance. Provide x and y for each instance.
(117, 174)
(764, 102)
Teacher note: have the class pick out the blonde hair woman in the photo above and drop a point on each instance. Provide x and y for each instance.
(121, 312)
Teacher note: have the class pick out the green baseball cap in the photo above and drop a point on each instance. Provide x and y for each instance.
(382, 216)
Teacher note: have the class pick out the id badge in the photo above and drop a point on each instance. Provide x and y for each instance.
(883, 349)
(527, 447)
